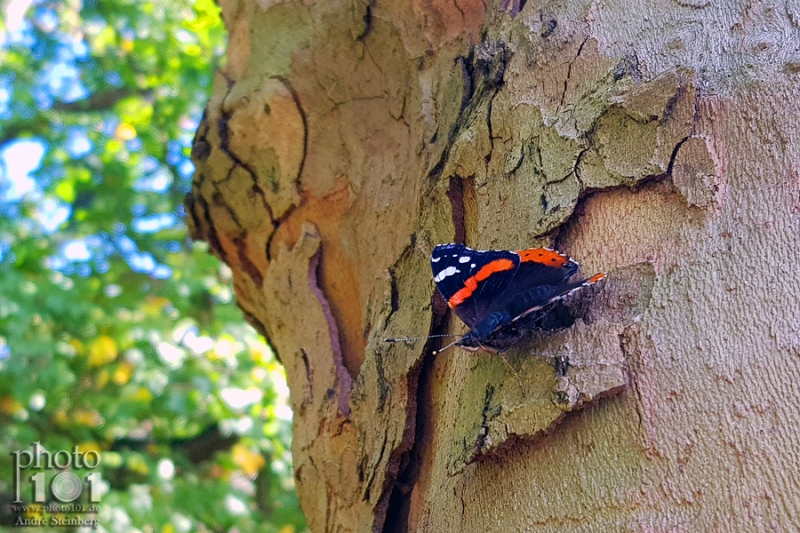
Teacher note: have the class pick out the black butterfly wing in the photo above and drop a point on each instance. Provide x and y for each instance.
(541, 296)
(471, 280)
(478, 283)
(540, 276)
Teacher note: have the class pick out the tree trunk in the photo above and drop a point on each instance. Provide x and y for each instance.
(658, 142)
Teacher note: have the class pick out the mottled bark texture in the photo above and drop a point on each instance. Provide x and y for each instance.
(657, 141)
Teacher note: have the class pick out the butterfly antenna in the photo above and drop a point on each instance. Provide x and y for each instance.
(437, 352)
(516, 375)
(401, 339)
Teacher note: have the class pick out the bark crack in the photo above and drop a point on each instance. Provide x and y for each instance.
(487, 414)
(248, 266)
(489, 60)
(569, 71)
(367, 19)
(405, 461)
(455, 193)
(371, 481)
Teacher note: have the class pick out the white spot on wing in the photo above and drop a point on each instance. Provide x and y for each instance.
(464, 259)
(435, 259)
(449, 271)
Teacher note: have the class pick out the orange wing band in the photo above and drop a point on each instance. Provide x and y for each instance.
(498, 265)
(544, 256)
(596, 277)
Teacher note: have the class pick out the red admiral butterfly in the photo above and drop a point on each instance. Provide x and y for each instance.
(492, 290)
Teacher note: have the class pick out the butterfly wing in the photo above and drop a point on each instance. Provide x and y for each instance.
(480, 283)
(470, 280)
(541, 296)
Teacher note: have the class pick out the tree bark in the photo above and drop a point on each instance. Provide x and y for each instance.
(656, 142)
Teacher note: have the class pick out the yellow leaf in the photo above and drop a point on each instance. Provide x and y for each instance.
(193, 50)
(125, 132)
(60, 417)
(113, 147)
(155, 305)
(66, 191)
(102, 379)
(78, 345)
(103, 351)
(123, 373)
(250, 462)
(137, 464)
(10, 406)
(87, 417)
(89, 447)
(142, 395)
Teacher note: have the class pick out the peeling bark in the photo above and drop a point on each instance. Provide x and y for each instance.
(344, 141)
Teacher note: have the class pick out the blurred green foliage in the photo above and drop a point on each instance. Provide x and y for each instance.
(116, 333)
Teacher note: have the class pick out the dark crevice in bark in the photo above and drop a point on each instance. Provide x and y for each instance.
(399, 502)
(392, 508)
(461, 11)
(630, 66)
(468, 78)
(395, 297)
(383, 385)
(569, 71)
(256, 323)
(455, 193)
(367, 22)
(304, 118)
(219, 200)
(306, 367)
(394, 282)
(487, 415)
(224, 137)
(488, 157)
(248, 267)
(519, 163)
(576, 167)
(674, 155)
(224, 145)
(201, 148)
(210, 234)
(259, 327)
(391, 513)
(276, 222)
(190, 204)
(561, 365)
